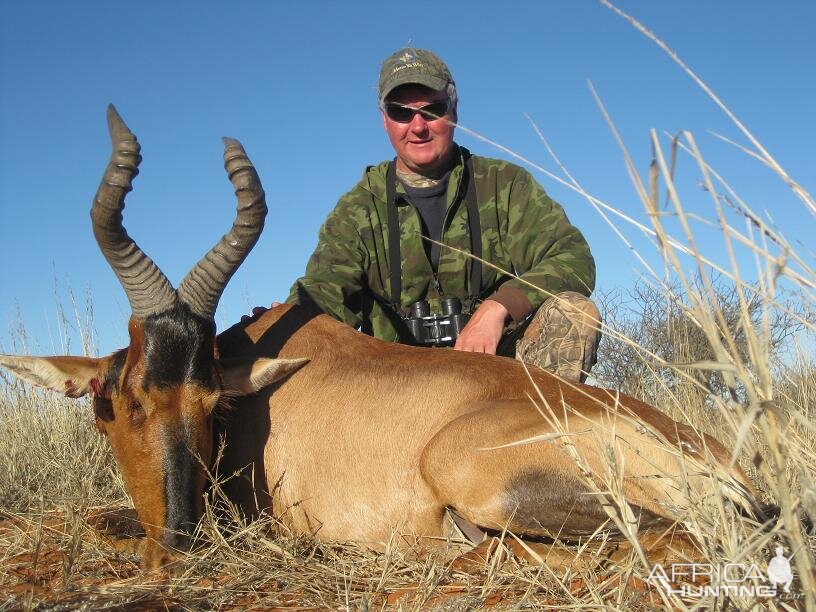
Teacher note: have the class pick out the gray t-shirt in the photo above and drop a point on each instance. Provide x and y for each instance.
(431, 203)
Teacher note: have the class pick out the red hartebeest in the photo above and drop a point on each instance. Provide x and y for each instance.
(358, 438)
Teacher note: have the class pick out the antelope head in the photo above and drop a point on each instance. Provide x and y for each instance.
(155, 399)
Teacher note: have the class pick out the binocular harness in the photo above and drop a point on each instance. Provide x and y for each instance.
(426, 328)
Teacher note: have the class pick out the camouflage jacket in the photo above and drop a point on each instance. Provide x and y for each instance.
(523, 231)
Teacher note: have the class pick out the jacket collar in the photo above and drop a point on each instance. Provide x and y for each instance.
(375, 179)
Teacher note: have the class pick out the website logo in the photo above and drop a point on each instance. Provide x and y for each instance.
(697, 580)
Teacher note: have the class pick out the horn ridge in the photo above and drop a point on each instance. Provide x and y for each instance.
(202, 287)
(146, 287)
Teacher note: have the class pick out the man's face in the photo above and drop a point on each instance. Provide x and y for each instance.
(423, 146)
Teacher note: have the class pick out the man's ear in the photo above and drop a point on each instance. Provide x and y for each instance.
(246, 377)
(72, 376)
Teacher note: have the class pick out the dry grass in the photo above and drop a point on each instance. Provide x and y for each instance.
(58, 560)
(65, 518)
(50, 450)
(722, 355)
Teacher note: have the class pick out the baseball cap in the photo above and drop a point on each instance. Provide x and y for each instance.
(410, 65)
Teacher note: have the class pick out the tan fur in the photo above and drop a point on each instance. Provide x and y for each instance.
(370, 437)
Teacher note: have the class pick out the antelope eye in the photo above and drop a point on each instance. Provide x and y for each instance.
(134, 409)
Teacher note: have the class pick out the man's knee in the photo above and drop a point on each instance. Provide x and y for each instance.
(563, 336)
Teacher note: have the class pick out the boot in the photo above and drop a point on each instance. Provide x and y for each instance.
(563, 337)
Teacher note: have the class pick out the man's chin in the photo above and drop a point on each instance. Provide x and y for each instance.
(426, 164)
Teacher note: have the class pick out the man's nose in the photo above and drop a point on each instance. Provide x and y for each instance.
(418, 123)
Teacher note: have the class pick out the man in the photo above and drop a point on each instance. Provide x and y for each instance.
(373, 260)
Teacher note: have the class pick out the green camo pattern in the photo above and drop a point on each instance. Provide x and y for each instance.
(523, 230)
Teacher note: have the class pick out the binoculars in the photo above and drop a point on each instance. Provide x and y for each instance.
(431, 329)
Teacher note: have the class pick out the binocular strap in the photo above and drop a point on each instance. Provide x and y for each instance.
(474, 227)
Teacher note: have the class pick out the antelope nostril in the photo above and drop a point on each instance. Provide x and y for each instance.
(178, 540)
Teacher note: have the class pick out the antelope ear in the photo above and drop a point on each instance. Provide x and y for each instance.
(72, 376)
(247, 377)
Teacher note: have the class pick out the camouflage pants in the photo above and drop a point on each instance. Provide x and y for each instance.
(562, 337)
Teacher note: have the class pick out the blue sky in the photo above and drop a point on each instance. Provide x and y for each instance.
(296, 83)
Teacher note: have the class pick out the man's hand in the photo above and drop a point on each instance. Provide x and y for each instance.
(257, 311)
(484, 330)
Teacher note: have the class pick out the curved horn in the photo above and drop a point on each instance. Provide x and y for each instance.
(202, 287)
(147, 288)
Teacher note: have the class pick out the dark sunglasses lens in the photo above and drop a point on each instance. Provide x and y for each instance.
(402, 114)
(434, 111)
(398, 113)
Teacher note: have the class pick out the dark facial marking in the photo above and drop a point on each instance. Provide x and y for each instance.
(110, 379)
(178, 348)
(180, 493)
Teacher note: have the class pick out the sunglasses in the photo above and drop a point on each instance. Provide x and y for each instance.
(405, 114)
